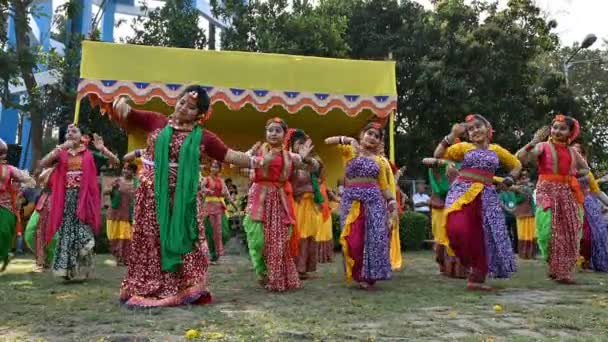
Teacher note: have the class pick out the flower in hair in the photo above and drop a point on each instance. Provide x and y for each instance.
(193, 95)
(470, 118)
(560, 118)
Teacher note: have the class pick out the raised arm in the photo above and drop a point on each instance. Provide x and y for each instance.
(532, 150)
(216, 149)
(136, 118)
(51, 157)
(303, 160)
(99, 145)
(449, 140)
(131, 156)
(342, 140)
(22, 177)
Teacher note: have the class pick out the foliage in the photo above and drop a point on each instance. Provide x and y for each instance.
(274, 26)
(413, 230)
(589, 85)
(176, 24)
(455, 59)
(336, 230)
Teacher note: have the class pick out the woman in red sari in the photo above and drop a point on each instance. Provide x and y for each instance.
(169, 255)
(559, 198)
(270, 224)
(76, 204)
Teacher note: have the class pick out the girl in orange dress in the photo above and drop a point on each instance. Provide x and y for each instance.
(270, 223)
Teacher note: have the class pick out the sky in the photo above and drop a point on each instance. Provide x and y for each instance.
(575, 18)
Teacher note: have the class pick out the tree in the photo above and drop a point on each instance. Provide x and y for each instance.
(274, 26)
(25, 60)
(589, 87)
(176, 24)
(450, 62)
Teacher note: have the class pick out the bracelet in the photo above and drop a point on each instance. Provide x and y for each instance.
(529, 147)
(446, 142)
(137, 153)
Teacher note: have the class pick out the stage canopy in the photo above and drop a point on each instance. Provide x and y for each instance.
(322, 96)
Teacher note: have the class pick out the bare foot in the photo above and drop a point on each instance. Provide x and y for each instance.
(479, 287)
(366, 286)
(263, 281)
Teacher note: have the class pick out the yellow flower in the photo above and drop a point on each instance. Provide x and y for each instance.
(497, 308)
(580, 261)
(192, 334)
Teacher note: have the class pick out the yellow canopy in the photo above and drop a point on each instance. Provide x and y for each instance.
(322, 96)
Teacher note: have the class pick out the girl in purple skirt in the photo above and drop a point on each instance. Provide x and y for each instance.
(366, 204)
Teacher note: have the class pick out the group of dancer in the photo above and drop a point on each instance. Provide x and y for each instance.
(469, 222)
(166, 222)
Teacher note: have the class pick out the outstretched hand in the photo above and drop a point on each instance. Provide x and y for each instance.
(98, 142)
(542, 134)
(305, 149)
(121, 108)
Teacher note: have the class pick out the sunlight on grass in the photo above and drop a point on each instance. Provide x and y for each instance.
(417, 304)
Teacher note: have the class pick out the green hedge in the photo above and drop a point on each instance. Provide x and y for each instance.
(413, 230)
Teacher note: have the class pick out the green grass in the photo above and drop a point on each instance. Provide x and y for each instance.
(417, 304)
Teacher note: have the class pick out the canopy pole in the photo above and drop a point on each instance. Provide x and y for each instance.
(77, 111)
(391, 136)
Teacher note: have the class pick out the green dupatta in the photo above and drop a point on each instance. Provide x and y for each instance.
(178, 226)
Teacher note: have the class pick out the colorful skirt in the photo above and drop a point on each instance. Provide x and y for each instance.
(526, 235)
(119, 235)
(75, 242)
(217, 233)
(145, 283)
(558, 228)
(595, 236)
(34, 238)
(325, 241)
(309, 223)
(365, 235)
(477, 231)
(449, 265)
(8, 224)
(268, 243)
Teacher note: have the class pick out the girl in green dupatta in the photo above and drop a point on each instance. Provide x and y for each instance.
(169, 255)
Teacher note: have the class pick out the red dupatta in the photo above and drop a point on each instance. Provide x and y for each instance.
(89, 201)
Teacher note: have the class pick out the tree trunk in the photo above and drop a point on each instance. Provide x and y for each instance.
(27, 63)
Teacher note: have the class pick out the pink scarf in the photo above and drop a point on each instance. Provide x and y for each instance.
(89, 202)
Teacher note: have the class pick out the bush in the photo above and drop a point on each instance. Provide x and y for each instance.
(413, 230)
(336, 230)
(102, 245)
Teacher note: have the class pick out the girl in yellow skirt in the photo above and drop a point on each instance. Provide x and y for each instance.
(524, 215)
(120, 214)
(325, 235)
(308, 205)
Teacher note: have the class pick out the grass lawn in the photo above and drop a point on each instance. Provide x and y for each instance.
(417, 304)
